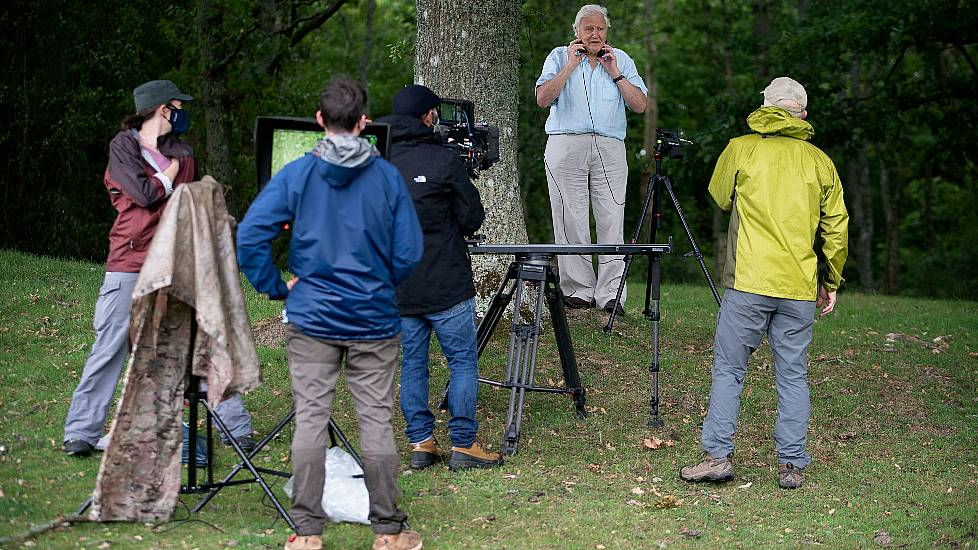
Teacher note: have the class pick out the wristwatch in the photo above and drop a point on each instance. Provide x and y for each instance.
(617, 78)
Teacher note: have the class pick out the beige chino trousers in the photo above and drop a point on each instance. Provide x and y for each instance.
(587, 171)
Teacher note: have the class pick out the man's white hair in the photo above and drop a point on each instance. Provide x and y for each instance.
(591, 9)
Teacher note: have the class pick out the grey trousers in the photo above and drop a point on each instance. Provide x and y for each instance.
(314, 365)
(742, 321)
(584, 171)
(92, 398)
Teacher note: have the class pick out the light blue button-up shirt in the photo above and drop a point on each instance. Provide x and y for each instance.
(590, 101)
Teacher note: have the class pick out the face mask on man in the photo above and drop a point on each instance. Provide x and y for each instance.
(179, 120)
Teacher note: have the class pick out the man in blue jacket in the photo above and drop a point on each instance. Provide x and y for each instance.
(355, 236)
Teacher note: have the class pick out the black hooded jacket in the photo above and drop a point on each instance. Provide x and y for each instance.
(449, 208)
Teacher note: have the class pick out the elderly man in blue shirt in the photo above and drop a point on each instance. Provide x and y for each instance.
(587, 85)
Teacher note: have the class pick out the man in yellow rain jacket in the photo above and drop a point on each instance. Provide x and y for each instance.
(786, 207)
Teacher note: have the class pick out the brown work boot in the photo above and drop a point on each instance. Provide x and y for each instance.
(790, 477)
(711, 469)
(307, 542)
(426, 453)
(473, 456)
(405, 540)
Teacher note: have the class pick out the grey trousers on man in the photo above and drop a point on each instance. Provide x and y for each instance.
(93, 396)
(742, 321)
(584, 171)
(314, 365)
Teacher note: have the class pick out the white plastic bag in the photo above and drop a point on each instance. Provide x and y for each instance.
(345, 496)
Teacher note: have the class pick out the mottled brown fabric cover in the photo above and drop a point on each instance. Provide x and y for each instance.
(191, 270)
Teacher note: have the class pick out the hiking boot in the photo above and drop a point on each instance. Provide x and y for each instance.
(789, 477)
(426, 453)
(614, 306)
(573, 302)
(246, 442)
(304, 542)
(473, 456)
(78, 447)
(711, 469)
(405, 540)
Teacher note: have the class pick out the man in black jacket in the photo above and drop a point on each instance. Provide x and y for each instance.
(439, 294)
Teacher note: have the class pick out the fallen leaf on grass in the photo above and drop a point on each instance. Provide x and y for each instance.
(633, 502)
(745, 485)
(656, 443)
(638, 491)
(691, 533)
(668, 501)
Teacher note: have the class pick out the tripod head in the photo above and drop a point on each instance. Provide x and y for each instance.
(669, 143)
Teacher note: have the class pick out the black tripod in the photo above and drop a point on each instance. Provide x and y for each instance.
(667, 142)
(537, 270)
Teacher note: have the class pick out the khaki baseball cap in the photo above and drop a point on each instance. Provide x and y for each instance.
(786, 93)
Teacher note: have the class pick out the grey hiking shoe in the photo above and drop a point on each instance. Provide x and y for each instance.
(790, 477)
(710, 469)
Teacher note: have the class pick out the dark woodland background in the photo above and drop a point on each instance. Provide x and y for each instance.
(892, 88)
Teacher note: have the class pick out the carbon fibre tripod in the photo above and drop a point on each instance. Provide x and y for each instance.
(667, 143)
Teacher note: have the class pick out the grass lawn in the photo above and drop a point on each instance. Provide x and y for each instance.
(893, 435)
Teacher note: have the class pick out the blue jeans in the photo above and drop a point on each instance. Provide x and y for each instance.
(455, 329)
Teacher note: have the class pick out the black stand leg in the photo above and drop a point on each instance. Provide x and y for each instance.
(653, 197)
(535, 271)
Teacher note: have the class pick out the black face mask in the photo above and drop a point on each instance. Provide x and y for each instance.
(179, 120)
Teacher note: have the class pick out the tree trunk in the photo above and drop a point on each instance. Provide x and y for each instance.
(214, 94)
(365, 56)
(891, 201)
(470, 50)
(859, 188)
(652, 107)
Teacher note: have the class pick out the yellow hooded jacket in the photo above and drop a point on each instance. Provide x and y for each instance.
(783, 192)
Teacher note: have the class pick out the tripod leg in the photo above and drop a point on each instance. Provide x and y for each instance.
(565, 347)
(649, 193)
(529, 362)
(689, 234)
(497, 307)
(514, 370)
(223, 429)
(654, 278)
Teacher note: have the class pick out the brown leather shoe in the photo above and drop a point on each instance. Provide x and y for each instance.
(710, 469)
(790, 477)
(307, 542)
(426, 453)
(473, 456)
(405, 540)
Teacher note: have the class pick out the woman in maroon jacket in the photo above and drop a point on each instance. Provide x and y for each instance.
(145, 164)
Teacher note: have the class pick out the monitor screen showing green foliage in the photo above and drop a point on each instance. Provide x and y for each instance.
(280, 140)
(289, 145)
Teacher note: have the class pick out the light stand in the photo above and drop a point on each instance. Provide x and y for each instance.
(667, 142)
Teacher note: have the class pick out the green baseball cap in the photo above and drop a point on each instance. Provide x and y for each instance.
(157, 92)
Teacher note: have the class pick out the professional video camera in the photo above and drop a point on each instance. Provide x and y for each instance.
(477, 144)
(670, 142)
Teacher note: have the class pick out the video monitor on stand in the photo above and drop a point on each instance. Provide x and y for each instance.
(280, 140)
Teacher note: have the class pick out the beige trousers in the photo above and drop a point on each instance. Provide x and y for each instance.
(588, 171)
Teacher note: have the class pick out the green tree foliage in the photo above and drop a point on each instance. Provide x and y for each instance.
(68, 80)
(892, 85)
(892, 89)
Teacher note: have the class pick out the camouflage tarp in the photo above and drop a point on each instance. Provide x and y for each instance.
(191, 268)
